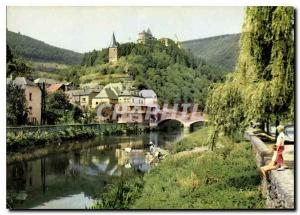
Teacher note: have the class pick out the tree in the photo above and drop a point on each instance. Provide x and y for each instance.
(283, 61)
(16, 105)
(77, 113)
(58, 108)
(16, 66)
(263, 82)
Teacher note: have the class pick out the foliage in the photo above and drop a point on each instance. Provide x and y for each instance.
(59, 110)
(16, 105)
(36, 50)
(224, 107)
(262, 87)
(220, 51)
(195, 139)
(15, 141)
(25, 139)
(120, 194)
(173, 73)
(16, 66)
(224, 179)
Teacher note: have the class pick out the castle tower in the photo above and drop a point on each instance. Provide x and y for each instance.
(113, 50)
(177, 41)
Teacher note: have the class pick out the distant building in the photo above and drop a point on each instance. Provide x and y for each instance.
(56, 87)
(138, 107)
(108, 95)
(168, 41)
(85, 97)
(177, 41)
(113, 50)
(145, 36)
(33, 96)
(70, 85)
(93, 86)
(74, 96)
(47, 81)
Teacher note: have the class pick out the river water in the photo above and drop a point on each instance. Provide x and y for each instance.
(74, 178)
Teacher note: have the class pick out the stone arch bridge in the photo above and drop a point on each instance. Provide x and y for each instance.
(186, 119)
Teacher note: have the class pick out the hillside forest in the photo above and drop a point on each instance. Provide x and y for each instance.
(174, 73)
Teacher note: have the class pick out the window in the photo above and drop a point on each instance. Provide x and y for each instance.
(97, 103)
(83, 99)
(30, 110)
(30, 96)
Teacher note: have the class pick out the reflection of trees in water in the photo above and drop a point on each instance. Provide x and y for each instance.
(57, 164)
(57, 175)
(17, 176)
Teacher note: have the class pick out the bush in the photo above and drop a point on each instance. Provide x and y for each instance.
(121, 194)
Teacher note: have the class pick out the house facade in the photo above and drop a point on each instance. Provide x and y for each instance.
(138, 107)
(108, 95)
(33, 96)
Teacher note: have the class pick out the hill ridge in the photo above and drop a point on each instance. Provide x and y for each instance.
(220, 51)
(38, 50)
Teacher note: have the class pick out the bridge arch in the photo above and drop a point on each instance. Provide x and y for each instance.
(170, 119)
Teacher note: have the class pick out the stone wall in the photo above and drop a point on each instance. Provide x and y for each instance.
(279, 191)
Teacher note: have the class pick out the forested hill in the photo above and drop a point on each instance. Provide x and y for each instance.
(37, 50)
(220, 51)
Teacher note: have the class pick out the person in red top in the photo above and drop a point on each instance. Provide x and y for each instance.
(277, 159)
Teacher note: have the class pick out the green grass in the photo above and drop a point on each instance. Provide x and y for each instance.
(196, 139)
(102, 79)
(226, 178)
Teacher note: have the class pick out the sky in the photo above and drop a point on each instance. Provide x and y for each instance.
(83, 29)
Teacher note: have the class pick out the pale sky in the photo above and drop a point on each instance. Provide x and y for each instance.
(83, 29)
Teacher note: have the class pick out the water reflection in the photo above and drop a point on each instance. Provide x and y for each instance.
(81, 173)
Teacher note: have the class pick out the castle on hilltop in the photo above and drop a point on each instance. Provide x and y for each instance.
(143, 38)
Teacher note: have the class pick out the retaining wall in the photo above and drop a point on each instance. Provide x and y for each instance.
(279, 191)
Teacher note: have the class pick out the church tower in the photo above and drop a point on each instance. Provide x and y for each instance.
(113, 50)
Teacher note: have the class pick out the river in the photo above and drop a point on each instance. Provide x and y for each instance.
(74, 178)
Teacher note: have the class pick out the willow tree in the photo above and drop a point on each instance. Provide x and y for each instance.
(263, 81)
(282, 62)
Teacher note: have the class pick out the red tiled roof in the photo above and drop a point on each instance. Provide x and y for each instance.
(54, 87)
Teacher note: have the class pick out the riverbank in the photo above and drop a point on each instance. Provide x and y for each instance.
(21, 140)
(225, 178)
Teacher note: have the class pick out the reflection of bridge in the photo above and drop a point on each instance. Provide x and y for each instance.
(186, 119)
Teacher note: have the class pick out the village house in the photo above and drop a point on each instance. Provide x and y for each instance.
(134, 107)
(33, 96)
(74, 96)
(47, 81)
(56, 87)
(85, 97)
(93, 86)
(108, 95)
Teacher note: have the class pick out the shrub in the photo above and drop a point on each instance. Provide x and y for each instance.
(121, 194)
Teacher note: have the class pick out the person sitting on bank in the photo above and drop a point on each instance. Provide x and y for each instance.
(273, 163)
(280, 146)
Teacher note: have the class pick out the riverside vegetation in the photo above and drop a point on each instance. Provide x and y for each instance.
(224, 178)
(16, 141)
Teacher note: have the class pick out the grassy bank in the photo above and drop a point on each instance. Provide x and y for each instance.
(14, 142)
(225, 178)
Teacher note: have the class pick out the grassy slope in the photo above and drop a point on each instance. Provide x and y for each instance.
(225, 178)
(36, 50)
(221, 51)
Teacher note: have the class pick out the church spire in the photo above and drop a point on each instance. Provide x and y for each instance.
(113, 43)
